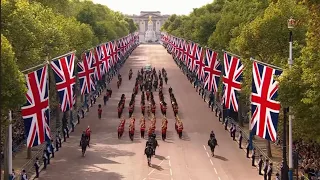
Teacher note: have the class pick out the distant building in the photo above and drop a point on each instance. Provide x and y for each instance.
(142, 20)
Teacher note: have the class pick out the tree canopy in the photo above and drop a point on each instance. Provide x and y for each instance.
(33, 31)
(258, 29)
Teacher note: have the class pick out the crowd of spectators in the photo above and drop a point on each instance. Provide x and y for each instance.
(309, 158)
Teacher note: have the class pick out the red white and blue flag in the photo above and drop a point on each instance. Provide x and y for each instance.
(264, 107)
(86, 73)
(199, 62)
(192, 56)
(35, 112)
(232, 76)
(98, 64)
(112, 52)
(212, 70)
(64, 74)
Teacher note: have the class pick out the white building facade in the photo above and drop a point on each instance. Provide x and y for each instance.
(142, 20)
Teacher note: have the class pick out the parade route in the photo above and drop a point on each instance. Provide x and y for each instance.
(110, 158)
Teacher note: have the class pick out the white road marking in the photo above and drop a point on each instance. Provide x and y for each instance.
(169, 163)
(215, 170)
(171, 172)
(211, 162)
(219, 178)
(144, 179)
(151, 172)
(161, 173)
(204, 147)
(208, 154)
(154, 178)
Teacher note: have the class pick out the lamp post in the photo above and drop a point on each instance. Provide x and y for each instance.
(291, 24)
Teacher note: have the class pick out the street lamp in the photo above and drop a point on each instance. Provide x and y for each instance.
(291, 25)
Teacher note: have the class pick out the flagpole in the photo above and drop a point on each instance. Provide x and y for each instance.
(39, 65)
(64, 55)
(231, 53)
(260, 62)
(10, 144)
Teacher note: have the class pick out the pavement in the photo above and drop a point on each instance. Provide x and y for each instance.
(110, 158)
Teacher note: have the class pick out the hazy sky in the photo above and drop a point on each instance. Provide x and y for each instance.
(165, 6)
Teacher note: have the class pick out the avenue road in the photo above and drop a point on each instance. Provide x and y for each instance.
(188, 158)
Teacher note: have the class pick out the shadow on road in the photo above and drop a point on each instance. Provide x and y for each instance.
(221, 158)
(185, 136)
(159, 168)
(160, 157)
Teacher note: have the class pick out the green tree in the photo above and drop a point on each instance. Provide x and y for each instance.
(14, 88)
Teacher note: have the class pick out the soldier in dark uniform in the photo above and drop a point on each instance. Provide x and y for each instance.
(37, 167)
(240, 139)
(253, 157)
(269, 171)
(260, 163)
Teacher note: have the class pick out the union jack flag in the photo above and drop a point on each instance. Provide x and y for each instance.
(35, 112)
(212, 70)
(63, 69)
(112, 52)
(86, 73)
(192, 55)
(232, 76)
(119, 55)
(98, 63)
(199, 62)
(264, 108)
(186, 52)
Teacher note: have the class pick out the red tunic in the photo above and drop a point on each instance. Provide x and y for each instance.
(142, 127)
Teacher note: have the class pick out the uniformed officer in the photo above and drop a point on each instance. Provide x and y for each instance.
(45, 159)
(253, 157)
(52, 148)
(260, 163)
(24, 175)
(240, 138)
(270, 170)
(265, 169)
(164, 131)
(37, 166)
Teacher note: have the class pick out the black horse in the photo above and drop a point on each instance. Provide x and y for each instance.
(84, 144)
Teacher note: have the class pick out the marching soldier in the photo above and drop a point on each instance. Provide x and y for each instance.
(180, 129)
(148, 95)
(120, 107)
(175, 109)
(164, 131)
(131, 131)
(143, 107)
(142, 129)
(131, 106)
(120, 131)
(164, 108)
(153, 109)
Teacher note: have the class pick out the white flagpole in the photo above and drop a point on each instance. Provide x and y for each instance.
(10, 144)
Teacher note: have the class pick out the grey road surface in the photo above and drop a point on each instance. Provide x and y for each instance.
(188, 158)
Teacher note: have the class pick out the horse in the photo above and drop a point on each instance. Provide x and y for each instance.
(84, 144)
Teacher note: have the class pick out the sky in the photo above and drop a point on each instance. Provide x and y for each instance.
(164, 6)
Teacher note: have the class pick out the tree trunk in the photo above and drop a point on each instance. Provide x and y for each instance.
(269, 153)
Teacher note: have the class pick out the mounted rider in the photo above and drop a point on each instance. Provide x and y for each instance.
(212, 143)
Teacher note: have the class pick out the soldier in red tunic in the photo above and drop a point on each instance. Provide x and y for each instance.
(164, 131)
(131, 131)
(143, 108)
(142, 129)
